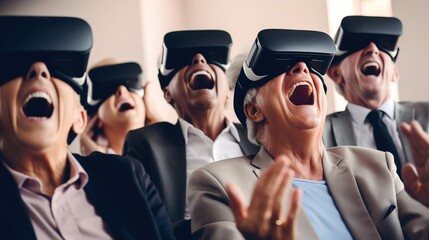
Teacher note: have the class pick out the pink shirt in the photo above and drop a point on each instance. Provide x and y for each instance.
(68, 214)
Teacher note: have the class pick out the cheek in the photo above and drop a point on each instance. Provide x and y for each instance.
(105, 111)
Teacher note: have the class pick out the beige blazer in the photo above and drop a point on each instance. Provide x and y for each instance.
(363, 183)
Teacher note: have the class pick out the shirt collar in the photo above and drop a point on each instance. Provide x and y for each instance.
(78, 175)
(187, 127)
(359, 113)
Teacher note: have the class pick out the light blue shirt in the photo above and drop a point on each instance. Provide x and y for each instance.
(320, 208)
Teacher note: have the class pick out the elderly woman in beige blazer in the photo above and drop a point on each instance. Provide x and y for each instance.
(345, 192)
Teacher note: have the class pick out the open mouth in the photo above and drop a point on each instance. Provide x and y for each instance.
(301, 93)
(201, 80)
(371, 69)
(125, 107)
(38, 105)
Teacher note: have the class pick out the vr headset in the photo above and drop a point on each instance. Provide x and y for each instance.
(104, 81)
(62, 43)
(180, 47)
(274, 52)
(356, 32)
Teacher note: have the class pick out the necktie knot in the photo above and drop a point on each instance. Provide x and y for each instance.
(375, 116)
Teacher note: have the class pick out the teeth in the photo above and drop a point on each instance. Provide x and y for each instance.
(197, 73)
(310, 89)
(371, 64)
(39, 95)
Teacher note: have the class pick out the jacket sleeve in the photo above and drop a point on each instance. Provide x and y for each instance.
(155, 203)
(210, 211)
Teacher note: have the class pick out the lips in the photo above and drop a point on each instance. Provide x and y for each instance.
(371, 69)
(201, 79)
(301, 93)
(38, 105)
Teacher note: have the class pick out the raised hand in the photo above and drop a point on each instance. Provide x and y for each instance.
(263, 219)
(88, 137)
(416, 178)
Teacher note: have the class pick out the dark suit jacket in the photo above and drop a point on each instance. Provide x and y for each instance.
(338, 129)
(119, 189)
(161, 148)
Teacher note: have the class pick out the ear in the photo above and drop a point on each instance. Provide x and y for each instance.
(80, 121)
(395, 77)
(253, 112)
(167, 95)
(334, 73)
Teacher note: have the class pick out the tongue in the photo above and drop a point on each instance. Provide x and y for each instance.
(201, 82)
(301, 97)
(38, 107)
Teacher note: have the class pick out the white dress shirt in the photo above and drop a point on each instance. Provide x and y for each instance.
(201, 150)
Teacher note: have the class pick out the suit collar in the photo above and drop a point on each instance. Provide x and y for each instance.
(12, 208)
(342, 127)
(346, 194)
(261, 161)
(404, 114)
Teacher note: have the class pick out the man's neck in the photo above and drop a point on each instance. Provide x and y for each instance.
(49, 165)
(210, 124)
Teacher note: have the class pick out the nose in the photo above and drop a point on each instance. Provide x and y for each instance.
(198, 59)
(299, 67)
(121, 91)
(38, 70)
(371, 49)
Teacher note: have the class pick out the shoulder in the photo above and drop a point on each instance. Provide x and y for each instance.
(98, 162)
(338, 114)
(234, 170)
(159, 127)
(365, 159)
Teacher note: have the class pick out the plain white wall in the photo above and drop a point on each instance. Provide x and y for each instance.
(414, 43)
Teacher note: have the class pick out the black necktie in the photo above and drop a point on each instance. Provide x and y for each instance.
(382, 137)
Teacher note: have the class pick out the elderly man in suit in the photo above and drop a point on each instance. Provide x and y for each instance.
(363, 71)
(347, 192)
(191, 73)
(46, 191)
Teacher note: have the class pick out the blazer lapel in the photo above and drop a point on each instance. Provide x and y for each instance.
(404, 114)
(342, 128)
(305, 229)
(345, 192)
(12, 208)
(246, 146)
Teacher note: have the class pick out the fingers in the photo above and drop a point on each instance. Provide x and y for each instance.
(267, 186)
(279, 196)
(290, 225)
(411, 180)
(237, 203)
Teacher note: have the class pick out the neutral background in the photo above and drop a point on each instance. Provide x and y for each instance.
(132, 30)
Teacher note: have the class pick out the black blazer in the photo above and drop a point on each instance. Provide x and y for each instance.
(119, 189)
(161, 148)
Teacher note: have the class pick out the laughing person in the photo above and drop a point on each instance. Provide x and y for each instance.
(46, 191)
(363, 71)
(192, 75)
(116, 106)
(347, 192)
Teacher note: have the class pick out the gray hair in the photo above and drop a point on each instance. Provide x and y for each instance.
(232, 74)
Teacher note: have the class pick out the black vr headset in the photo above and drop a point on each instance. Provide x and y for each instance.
(356, 32)
(62, 43)
(104, 81)
(274, 52)
(180, 47)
